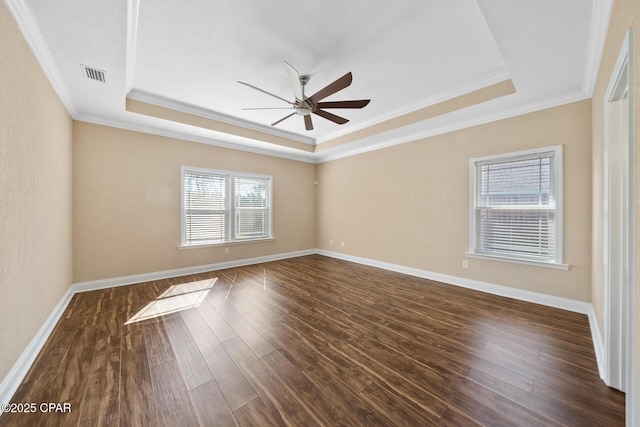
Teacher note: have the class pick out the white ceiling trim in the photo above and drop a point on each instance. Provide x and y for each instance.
(454, 92)
(600, 16)
(133, 9)
(241, 144)
(34, 38)
(342, 151)
(150, 98)
(463, 89)
(19, 9)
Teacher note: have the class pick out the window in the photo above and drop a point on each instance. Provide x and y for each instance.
(221, 206)
(516, 207)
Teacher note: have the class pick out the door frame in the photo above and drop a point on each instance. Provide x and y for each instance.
(618, 309)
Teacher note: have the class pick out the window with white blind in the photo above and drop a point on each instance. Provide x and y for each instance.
(516, 207)
(222, 206)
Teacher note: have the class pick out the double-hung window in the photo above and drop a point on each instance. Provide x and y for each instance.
(223, 206)
(516, 207)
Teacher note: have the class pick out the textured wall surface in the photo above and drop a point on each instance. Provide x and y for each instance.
(127, 202)
(625, 15)
(35, 195)
(409, 204)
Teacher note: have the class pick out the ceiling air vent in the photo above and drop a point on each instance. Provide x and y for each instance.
(94, 74)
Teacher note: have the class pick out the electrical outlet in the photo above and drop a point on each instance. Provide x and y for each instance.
(330, 242)
(342, 244)
(226, 250)
(465, 263)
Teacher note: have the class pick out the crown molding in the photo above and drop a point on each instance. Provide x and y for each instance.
(133, 10)
(160, 101)
(34, 38)
(451, 93)
(344, 150)
(30, 30)
(600, 16)
(217, 142)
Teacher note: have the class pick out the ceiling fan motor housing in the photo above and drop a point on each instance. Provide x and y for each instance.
(303, 108)
(307, 105)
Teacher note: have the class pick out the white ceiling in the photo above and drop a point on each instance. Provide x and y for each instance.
(403, 56)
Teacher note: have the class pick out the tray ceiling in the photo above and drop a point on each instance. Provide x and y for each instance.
(173, 70)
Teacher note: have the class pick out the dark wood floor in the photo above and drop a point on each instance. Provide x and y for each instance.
(315, 341)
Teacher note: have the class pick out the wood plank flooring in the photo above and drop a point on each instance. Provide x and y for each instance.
(315, 341)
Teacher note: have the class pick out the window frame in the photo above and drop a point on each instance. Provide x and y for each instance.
(556, 172)
(231, 206)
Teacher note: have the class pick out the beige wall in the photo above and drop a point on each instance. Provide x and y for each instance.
(409, 204)
(385, 205)
(127, 202)
(35, 195)
(625, 15)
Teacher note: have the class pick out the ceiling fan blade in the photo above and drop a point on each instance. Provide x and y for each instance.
(361, 103)
(332, 88)
(269, 108)
(294, 79)
(285, 117)
(308, 124)
(327, 115)
(264, 91)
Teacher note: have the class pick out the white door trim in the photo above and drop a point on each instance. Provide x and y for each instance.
(618, 222)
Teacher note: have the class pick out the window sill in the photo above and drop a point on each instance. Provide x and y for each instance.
(544, 264)
(234, 242)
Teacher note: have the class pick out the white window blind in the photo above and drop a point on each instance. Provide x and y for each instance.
(206, 207)
(515, 212)
(221, 206)
(252, 208)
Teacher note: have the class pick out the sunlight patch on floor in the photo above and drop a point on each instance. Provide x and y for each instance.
(176, 298)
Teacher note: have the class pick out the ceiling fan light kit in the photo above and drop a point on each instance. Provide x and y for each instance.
(305, 106)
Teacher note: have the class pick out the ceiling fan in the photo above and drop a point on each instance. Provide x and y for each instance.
(305, 106)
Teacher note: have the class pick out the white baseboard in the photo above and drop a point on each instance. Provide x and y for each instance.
(19, 370)
(598, 343)
(166, 274)
(505, 291)
(15, 376)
